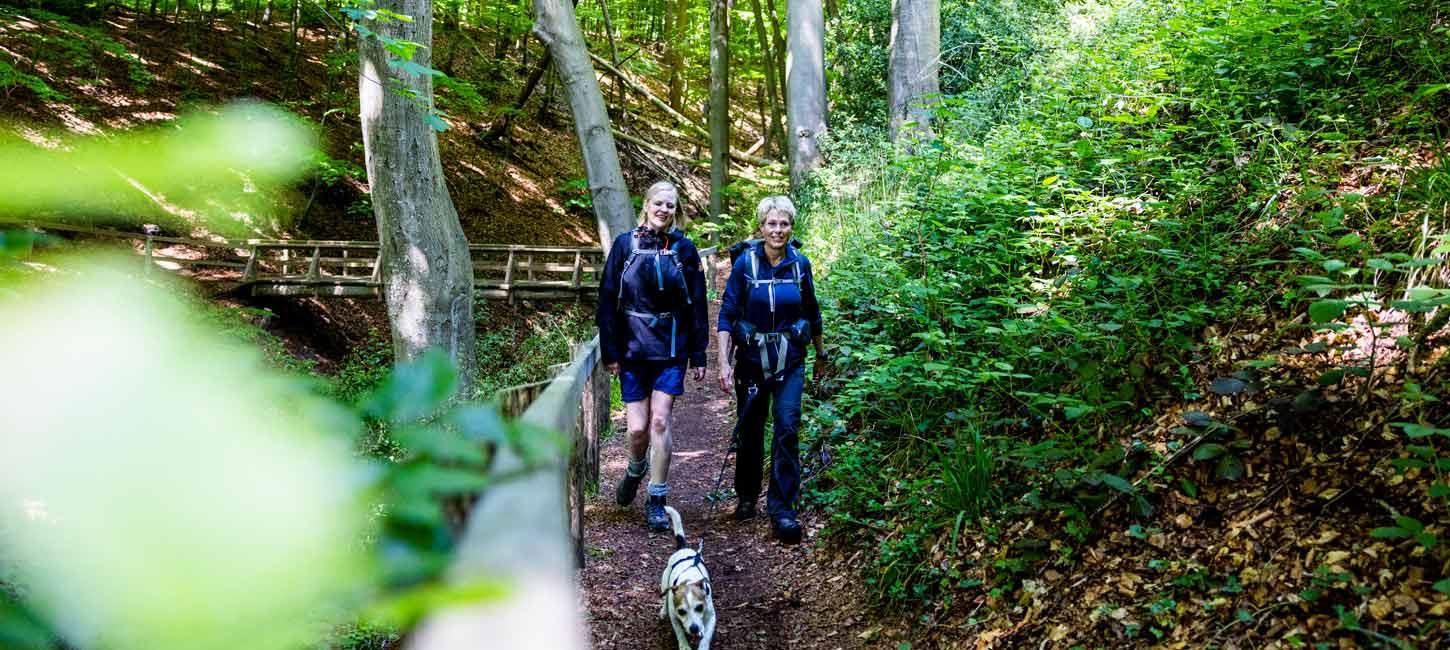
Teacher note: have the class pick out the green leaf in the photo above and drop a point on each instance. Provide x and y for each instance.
(1229, 468)
(436, 122)
(1442, 586)
(1075, 412)
(414, 390)
(431, 480)
(1209, 451)
(1387, 532)
(1189, 488)
(1116, 482)
(1324, 311)
(439, 444)
(1333, 265)
(1410, 523)
(1085, 122)
(1050, 180)
(1331, 377)
(1380, 265)
(1439, 490)
(1414, 430)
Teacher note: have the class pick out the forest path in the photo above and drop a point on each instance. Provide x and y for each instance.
(767, 595)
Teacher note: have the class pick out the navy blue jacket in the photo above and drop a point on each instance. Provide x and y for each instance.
(744, 300)
(626, 335)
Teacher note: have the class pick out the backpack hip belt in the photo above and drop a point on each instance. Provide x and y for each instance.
(654, 319)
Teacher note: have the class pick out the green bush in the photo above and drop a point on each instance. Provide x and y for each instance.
(1043, 269)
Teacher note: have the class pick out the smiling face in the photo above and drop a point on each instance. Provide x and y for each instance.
(660, 209)
(776, 227)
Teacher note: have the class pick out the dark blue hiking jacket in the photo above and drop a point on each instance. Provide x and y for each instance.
(655, 310)
(751, 301)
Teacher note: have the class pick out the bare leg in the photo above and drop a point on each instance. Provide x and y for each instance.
(636, 421)
(660, 406)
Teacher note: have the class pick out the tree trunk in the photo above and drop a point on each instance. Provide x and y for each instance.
(806, 78)
(779, 51)
(620, 97)
(427, 272)
(677, 54)
(719, 104)
(774, 130)
(912, 86)
(557, 26)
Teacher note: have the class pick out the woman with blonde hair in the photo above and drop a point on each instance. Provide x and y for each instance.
(769, 317)
(652, 323)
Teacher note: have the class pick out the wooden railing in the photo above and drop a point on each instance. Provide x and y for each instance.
(521, 530)
(282, 267)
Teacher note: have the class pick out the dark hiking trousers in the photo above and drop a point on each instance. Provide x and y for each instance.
(781, 397)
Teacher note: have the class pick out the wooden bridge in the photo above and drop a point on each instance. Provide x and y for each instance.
(284, 267)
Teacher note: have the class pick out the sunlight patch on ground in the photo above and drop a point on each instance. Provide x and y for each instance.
(75, 123)
(37, 138)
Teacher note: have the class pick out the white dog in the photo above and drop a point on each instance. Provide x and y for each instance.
(685, 592)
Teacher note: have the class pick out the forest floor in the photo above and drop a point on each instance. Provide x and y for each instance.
(767, 595)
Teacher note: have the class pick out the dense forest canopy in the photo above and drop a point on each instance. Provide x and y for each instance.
(1137, 308)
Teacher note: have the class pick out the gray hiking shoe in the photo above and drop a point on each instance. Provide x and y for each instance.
(628, 487)
(654, 513)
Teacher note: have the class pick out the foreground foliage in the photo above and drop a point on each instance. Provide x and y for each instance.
(1182, 266)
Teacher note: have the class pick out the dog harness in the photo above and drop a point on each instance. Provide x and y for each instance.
(694, 561)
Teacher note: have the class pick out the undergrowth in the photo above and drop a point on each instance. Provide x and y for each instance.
(1014, 297)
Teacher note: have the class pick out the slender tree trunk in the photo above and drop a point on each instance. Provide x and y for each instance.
(677, 54)
(719, 104)
(296, 46)
(912, 87)
(267, 14)
(620, 97)
(778, 38)
(427, 271)
(556, 24)
(773, 130)
(806, 78)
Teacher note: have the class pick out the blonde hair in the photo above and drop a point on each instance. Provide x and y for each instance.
(658, 187)
(778, 203)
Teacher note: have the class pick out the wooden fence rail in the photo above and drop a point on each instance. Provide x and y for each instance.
(521, 530)
(281, 267)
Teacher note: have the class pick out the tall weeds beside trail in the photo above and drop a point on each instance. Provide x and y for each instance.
(1101, 191)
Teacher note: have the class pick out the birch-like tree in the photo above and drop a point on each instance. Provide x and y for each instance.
(556, 24)
(427, 272)
(806, 86)
(912, 86)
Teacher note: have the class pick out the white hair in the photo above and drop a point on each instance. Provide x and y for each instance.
(778, 203)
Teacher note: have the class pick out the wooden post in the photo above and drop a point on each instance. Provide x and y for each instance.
(314, 267)
(249, 272)
(377, 277)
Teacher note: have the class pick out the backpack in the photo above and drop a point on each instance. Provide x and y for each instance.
(635, 252)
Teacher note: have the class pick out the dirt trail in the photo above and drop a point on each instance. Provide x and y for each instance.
(767, 595)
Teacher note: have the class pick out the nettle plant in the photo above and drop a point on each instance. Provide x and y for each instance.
(1387, 297)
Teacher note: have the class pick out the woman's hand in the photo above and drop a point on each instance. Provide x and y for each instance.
(727, 376)
(818, 368)
(613, 368)
(698, 374)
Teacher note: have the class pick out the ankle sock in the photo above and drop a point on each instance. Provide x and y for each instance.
(638, 467)
(658, 489)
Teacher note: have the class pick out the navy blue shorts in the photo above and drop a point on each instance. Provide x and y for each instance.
(638, 378)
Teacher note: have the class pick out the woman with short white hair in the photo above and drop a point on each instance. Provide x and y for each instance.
(769, 316)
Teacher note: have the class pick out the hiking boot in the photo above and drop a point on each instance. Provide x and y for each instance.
(654, 513)
(628, 487)
(744, 510)
(787, 530)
